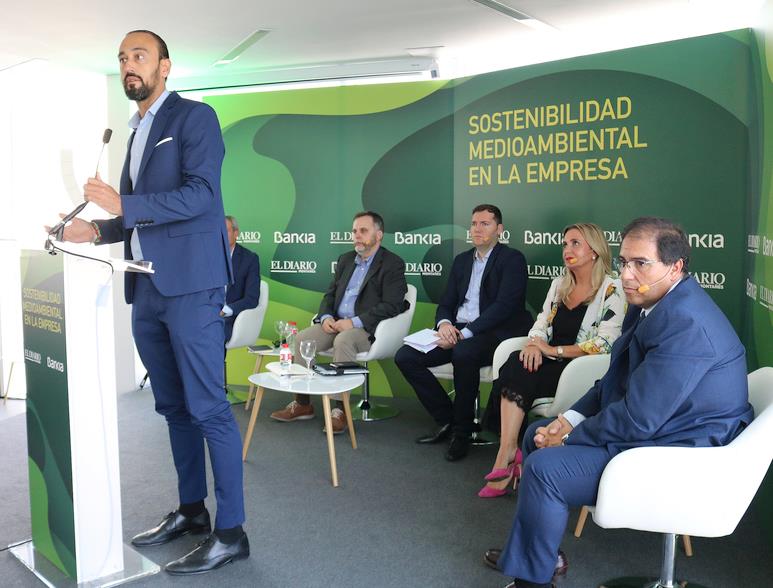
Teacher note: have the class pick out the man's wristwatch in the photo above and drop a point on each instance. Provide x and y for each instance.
(564, 438)
(560, 352)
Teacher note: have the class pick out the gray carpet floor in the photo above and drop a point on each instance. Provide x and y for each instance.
(401, 517)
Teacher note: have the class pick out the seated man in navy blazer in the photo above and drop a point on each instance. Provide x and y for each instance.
(677, 376)
(368, 286)
(483, 304)
(244, 293)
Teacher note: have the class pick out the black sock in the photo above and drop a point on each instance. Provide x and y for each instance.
(231, 535)
(191, 509)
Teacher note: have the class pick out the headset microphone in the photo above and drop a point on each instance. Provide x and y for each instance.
(644, 288)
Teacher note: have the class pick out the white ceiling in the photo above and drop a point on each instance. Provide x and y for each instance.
(464, 36)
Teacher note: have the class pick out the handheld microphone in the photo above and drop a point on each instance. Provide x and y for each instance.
(644, 288)
(58, 230)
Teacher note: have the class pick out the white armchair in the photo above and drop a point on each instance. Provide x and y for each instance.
(249, 322)
(690, 499)
(389, 337)
(576, 379)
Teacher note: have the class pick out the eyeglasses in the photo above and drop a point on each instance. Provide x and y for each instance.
(637, 266)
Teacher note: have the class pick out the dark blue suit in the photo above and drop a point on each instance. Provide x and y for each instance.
(502, 315)
(244, 293)
(676, 377)
(176, 320)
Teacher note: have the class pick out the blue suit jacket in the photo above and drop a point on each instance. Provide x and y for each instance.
(502, 301)
(177, 202)
(676, 378)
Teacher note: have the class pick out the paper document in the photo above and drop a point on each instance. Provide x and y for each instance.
(424, 340)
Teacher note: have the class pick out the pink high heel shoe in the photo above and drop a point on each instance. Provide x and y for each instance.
(489, 492)
(499, 474)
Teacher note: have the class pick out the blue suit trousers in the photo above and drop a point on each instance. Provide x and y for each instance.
(554, 479)
(180, 341)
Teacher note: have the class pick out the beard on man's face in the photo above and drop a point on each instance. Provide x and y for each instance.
(137, 93)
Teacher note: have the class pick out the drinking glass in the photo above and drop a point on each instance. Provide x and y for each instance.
(280, 327)
(308, 351)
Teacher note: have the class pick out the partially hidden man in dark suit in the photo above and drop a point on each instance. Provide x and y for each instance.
(244, 292)
(368, 286)
(170, 212)
(677, 376)
(483, 304)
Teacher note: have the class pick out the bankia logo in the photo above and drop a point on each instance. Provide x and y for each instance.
(32, 356)
(504, 238)
(417, 238)
(545, 272)
(531, 237)
(423, 269)
(706, 240)
(751, 289)
(287, 266)
(248, 237)
(291, 238)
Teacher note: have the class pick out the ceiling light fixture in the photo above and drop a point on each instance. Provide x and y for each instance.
(517, 15)
(236, 52)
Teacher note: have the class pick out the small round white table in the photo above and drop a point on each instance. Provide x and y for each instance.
(318, 386)
(259, 355)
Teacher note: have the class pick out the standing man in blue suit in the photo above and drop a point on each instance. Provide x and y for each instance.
(484, 303)
(170, 211)
(677, 376)
(244, 293)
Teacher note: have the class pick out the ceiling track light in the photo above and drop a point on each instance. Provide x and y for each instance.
(517, 15)
(236, 52)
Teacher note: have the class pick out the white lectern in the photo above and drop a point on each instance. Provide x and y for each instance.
(72, 435)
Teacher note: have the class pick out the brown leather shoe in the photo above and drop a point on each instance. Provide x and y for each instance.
(294, 412)
(491, 559)
(338, 419)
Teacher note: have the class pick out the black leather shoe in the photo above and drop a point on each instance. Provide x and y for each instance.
(441, 434)
(491, 559)
(458, 448)
(172, 526)
(209, 555)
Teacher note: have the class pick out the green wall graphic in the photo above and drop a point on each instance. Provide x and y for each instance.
(657, 130)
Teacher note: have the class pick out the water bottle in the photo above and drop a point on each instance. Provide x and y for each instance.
(292, 337)
(285, 359)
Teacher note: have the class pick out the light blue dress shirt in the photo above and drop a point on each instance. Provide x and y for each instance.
(470, 308)
(141, 127)
(346, 308)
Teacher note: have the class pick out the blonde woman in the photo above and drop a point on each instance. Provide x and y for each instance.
(583, 313)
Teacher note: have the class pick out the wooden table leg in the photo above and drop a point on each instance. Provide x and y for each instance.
(329, 432)
(258, 361)
(251, 426)
(349, 421)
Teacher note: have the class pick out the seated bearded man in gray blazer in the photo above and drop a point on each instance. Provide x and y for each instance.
(368, 286)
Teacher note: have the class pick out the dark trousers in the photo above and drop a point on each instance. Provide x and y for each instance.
(554, 479)
(180, 341)
(467, 357)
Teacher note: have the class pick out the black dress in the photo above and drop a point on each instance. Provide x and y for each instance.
(517, 384)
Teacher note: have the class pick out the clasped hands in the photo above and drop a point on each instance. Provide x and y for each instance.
(448, 336)
(553, 434)
(331, 326)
